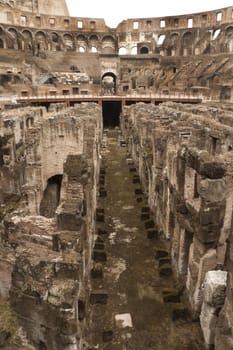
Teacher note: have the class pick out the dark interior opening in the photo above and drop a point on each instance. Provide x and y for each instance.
(188, 239)
(81, 310)
(51, 196)
(111, 113)
(144, 50)
(42, 345)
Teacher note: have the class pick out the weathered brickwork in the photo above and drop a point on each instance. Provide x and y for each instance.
(183, 155)
(52, 170)
(50, 160)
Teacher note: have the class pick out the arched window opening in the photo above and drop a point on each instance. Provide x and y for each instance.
(68, 41)
(55, 37)
(122, 51)
(216, 33)
(144, 50)
(29, 122)
(161, 39)
(134, 50)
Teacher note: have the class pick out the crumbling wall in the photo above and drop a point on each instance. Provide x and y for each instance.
(46, 259)
(183, 155)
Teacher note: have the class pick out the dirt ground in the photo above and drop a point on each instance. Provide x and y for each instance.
(131, 273)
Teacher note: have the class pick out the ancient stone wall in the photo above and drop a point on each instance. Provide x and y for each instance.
(50, 158)
(183, 155)
(48, 218)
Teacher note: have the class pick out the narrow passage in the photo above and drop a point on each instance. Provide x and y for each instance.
(136, 304)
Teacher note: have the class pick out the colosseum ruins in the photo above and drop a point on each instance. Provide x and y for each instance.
(116, 192)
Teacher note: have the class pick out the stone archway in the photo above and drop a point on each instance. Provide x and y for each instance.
(144, 50)
(108, 83)
(51, 196)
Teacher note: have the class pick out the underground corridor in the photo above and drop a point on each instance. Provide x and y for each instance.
(136, 303)
(111, 113)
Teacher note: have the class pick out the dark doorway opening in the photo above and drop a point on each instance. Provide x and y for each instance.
(111, 113)
(51, 196)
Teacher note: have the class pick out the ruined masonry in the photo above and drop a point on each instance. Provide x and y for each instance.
(116, 191)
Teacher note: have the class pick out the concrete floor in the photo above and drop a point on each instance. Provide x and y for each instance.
(131, 275)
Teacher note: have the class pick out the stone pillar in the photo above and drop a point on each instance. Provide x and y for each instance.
(213, 300)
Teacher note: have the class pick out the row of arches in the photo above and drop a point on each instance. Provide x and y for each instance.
(27, 40)
(175, 42)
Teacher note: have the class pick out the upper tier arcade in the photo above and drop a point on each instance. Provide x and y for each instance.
(47, 54)
(48, 15)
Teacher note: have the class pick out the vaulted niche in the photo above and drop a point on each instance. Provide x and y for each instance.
(111, 113)
(51, 196)
(109, 84)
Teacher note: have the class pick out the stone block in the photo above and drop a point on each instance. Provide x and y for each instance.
(165, 270)
(207, 263)
(98, 297)
(69, 221)
(212, 215)
(209, 233)
(212, 190)
(215, 288)
(208, 320)
(123, 320)
(75, 167)
(152, 234)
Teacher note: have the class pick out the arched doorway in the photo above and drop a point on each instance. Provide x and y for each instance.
(111, 113)
(109, 84)
(51, 196)
(144, 50)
